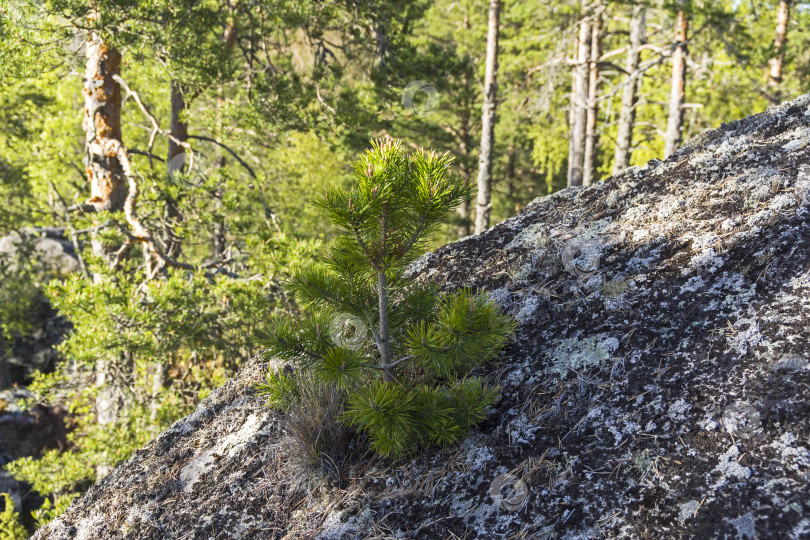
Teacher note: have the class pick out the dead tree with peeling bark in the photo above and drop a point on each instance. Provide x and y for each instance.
(102, 122)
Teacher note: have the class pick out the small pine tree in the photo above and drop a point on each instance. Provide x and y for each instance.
(407, 383)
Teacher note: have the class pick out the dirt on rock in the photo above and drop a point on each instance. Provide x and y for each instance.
(659, 386)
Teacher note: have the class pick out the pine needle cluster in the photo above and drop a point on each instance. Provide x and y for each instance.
(400, 354)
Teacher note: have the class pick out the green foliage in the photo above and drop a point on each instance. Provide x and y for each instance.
(279, 389)
(162, 345)
(21, 275)
(386, 412)
(467, 332)
(406, 384)
(10, 526)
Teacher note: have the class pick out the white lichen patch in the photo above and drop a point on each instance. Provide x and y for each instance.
(678, 410)
(228, 446)
(745, 526)
(528, 237)
(575, 354)
(802, 184)
(687, 511)
(730, 468)
(791, 362)
(521, 429)
(477, 457)
(799, 139)
(526, 313)
(746, 336)
(501, 296)
(797, 457)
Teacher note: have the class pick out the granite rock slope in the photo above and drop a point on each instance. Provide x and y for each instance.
(659, 386)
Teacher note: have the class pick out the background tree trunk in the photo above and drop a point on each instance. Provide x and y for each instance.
(102, 122)
(5, 374)
(488, 121)
(579, 97)
(678, 88)
(466, 174)
(627, 115)
(589, 167)
(775, 74)
(178, 126)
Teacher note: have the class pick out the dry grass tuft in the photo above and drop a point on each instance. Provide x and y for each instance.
(316, 440)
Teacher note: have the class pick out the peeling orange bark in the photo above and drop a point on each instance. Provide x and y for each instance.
(102, 122)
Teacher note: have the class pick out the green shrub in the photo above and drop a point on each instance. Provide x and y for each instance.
(166, 344)
(401, 354)
(10, 526)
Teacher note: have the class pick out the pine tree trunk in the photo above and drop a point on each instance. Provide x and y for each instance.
(678, 88)
(627, 115)
(775, 74)
(579, 97)
(589, 167)
(385, 344)
(102, 122)
(483, 205)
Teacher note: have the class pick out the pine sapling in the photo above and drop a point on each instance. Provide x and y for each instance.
(400, 354)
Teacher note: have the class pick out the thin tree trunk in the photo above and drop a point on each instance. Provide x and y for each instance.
(579, 97)
(5, 373)
(464, 162)
(627, 116)
(483, 205)
(464, 169)
(510, 170)
(178, 128)
(775, 74)
(385, 345)
(678, 88)
(589, 167)
(220, 227)
(102, 121)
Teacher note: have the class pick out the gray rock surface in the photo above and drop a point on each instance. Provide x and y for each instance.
(53, 255)
(659, 386)
(50, 247)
